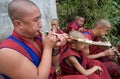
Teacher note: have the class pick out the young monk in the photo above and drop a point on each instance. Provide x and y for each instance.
(56, 29)
(102, 28)
(56, 50)
(73, 61)
(55, 26)
(77, 24)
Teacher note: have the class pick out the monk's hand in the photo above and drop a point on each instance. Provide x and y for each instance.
(62, 39)
(109, 52)
(99, 70)
(49, 41)
(82, 29)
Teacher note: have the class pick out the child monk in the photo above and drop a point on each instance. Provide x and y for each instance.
(73, 61)
(78, 24)
(55, 26)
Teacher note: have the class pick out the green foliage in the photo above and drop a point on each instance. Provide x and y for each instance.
(92, 10)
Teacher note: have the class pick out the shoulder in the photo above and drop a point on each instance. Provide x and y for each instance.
(13, 62)
(8, 58)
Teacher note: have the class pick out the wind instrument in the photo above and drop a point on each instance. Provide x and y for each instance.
(108, 44)
(117, 53)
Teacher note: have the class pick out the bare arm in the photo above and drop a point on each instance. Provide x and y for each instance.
(80, 68)
(95, 56)
(108, 52)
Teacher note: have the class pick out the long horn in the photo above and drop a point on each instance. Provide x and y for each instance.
(85, 40)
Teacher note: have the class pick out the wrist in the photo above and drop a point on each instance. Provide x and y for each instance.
(55, 51)
(49, 49)
(102, 54)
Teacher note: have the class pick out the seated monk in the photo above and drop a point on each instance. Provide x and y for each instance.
(77, 24)
(55, 28)
(73, 60)
(102, 54)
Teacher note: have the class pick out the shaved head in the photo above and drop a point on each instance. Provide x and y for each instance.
(76, 34)
(103, 23)
(76, 44)
(78, 17)
(17, 8)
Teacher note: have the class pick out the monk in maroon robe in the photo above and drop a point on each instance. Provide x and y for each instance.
(56, 27)
(103, 54)
(77, 24)
(73, 61)
(56, 53)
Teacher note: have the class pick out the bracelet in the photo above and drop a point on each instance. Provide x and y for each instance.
(55, 51)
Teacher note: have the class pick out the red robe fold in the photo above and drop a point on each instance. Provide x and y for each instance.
(85, 62)
(111, 66)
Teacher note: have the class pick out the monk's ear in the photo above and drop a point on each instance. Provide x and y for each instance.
(17, 23)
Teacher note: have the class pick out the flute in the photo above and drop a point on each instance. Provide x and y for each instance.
(108, 44)
(116, 51)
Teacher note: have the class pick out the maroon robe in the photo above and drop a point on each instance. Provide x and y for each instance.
(111, 66)
(119, 52)
(75, 26)
(59, 31)
(119, 48)
(9, 43)
(85, 62)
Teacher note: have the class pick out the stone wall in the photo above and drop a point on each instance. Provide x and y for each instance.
(47, 8)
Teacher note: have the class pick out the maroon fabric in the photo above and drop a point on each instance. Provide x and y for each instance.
(8, 43)
(111, 66)
(59, 31)
(119, 52)
(86, 63)
(75, 26)
(119, 48)
(72, 77)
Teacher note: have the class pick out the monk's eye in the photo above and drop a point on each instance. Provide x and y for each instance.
(53, 24)
(37, 19)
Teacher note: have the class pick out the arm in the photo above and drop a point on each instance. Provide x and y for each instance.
(82, 29)
(108, 52)
(17, 66)
(87, 52)
(95, 56)
(80, 68)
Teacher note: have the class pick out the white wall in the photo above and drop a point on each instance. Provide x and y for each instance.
(47, 8)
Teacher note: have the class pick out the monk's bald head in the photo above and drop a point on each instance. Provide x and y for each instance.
(103, 23)
(17, 8)
(76, 34)
(75, 43)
